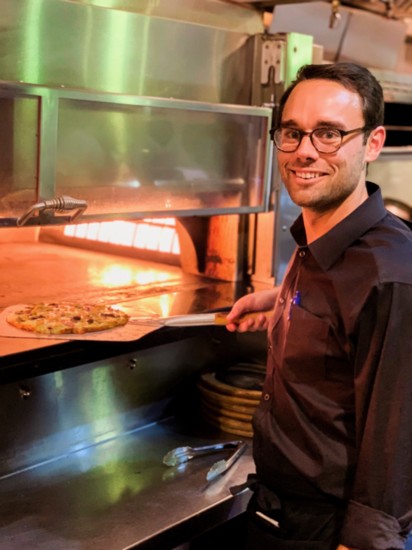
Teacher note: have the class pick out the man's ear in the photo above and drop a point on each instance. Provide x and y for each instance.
(375, 143)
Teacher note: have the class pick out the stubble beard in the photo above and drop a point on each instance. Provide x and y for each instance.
(321, 200)
(321, 203)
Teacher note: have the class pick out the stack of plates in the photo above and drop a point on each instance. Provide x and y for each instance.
(229, 398)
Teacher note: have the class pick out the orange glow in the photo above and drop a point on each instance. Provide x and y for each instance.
(148, 234)
(166, 302)
(120, 275)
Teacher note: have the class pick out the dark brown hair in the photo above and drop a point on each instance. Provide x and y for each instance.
(355, 78)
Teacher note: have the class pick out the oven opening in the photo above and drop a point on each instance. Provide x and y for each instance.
(198, 245)
(150, 234)
(153, 239)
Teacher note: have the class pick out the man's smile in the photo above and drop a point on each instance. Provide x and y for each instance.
(307, 175)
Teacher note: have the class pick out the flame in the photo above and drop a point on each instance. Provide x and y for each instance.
(149, 234)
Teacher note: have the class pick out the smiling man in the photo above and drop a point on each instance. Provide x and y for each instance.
(332, 437)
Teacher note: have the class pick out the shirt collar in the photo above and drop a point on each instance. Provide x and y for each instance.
(328, 248)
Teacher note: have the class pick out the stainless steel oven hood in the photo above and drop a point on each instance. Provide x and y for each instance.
(134, 108)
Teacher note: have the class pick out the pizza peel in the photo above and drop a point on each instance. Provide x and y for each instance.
(135, 328)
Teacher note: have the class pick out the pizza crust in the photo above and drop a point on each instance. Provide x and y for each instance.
(66, 318)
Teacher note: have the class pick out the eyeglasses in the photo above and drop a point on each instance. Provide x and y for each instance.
(324, 140)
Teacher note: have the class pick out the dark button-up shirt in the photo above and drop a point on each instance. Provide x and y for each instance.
(335, 419)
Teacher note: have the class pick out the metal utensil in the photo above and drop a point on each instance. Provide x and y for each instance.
(222, 466)
(198, 319)
(183, 454)
(180, 455)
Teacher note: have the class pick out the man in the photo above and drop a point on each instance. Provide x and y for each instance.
(332, 434)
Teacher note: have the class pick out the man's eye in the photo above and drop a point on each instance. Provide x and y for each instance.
(327, 134)
(291, 134)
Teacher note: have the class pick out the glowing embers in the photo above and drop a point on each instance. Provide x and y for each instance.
(149, 234)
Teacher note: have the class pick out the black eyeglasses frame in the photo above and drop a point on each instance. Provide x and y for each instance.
(343, 133)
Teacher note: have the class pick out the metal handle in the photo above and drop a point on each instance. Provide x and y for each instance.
(58, 204)
(222, 466)
(183, 454)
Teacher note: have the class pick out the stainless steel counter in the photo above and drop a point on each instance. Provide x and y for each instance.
(119, 495)
(84, 429)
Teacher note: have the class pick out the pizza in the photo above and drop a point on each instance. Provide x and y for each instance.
(66, 318)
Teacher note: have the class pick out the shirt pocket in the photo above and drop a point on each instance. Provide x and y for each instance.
(306, 342)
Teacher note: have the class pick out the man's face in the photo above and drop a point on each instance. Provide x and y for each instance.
(321, 181)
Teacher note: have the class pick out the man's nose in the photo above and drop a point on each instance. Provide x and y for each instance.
(306, 147)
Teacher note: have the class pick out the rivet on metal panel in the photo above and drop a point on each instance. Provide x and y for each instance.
(132, 364)
(24, 393)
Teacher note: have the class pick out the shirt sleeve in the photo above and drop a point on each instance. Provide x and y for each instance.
(379, 515)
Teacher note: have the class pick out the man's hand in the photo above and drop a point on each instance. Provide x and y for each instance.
(255, 302)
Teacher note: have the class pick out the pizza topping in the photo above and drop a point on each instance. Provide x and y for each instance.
(66, 318)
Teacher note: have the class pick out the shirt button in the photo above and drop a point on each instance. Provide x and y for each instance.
(302, 253)
(266, 397)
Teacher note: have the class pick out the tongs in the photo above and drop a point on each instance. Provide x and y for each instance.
(181, 455)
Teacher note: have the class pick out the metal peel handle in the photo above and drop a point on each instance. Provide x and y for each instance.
(221, 318)
(203, 319)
